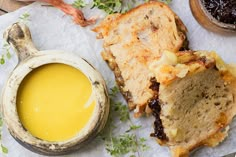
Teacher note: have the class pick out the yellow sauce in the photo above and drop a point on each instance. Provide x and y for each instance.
(51, 102)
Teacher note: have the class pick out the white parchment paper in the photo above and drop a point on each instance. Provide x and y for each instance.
(52, 29)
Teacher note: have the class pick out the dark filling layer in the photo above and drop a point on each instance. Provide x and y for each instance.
(222, 10)
(156, 110)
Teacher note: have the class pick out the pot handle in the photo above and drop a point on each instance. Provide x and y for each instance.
(19, 37)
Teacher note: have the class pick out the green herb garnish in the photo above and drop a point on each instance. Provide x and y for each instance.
(127, 142)
(6, 48)
(6, 53)
(79, 4)
(109, 6)
(122, 111)
(25, 18)
(3, 149)
(133, 127)
(114, 91)
(118, 6)
(166, 1)
(122, 144)
(2, 60)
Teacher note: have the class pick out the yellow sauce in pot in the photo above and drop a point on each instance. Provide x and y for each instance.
(52, 102)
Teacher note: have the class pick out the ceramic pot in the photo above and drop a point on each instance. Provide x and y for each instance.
(19, 37)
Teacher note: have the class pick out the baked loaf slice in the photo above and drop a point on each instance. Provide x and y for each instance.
(133, 40)
(195, 100)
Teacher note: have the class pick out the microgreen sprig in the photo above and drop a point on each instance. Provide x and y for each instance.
(79, 4)
(24, 18)
(112, 6)
(118, 6)
(127, 142)
(3, 149)
(109, 6)
(6, 53)
(166, 1)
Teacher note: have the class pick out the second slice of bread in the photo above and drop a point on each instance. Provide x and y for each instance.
(195, 109)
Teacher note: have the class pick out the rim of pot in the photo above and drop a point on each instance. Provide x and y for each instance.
(10, 114)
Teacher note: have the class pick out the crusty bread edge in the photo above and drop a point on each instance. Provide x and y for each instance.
(218, 137)
(181, 28)
(114, 19)
(109, 58)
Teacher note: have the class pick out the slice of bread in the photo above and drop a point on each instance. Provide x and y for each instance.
(133, 40)
(195, 108)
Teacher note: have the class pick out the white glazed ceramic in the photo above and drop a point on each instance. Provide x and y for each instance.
(18, 35)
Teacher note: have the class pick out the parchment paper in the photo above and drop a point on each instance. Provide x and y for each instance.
(51, 29)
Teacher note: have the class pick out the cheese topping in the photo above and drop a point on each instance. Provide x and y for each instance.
(172, 65)
(54, 102)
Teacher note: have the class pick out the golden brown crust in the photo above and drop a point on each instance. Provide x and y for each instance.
(110, 59)
(111, 22)
(207, 60)
(104, 26)
(213, 139)
(179, 152)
